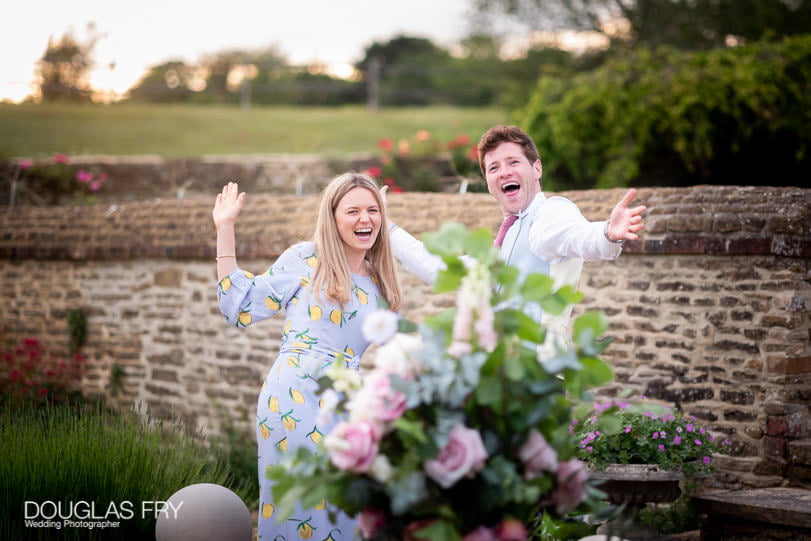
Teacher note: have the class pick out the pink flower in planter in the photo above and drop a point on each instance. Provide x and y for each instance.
(95, 186)
(463, 455)
(60, 158)
(26, 164)
(84, 176)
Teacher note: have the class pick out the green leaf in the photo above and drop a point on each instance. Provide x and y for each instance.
(410, 428)
(450, 278)
(528, 328)
(513, 368)
(588, 327)
(506, 276)
(448, 241)
(406, 326)
(438, 529)
(596, 372)
(488, 393)
(479, 244)
(536, 286)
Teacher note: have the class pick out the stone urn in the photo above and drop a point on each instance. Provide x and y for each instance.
(633, 486)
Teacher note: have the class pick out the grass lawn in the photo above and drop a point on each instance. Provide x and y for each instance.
(189, 130)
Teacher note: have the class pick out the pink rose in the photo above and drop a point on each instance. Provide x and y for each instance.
(390, 404)
(26, 164)
(481, 533)
(464, 454)
(572, 477)
(537, 455)
(370, 521)
(511, 529)
(353, 446)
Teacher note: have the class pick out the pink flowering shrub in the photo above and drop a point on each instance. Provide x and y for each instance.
(30, 375)
(55, 181)
(619, 432)
(458, 429)
(420, 162)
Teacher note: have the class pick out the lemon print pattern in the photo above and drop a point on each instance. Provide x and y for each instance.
(264, 429)
(305, 531)
(315, 436)
(288, 402)
(363, 297)
(273, 302)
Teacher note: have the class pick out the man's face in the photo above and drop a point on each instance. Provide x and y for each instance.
(511, 178)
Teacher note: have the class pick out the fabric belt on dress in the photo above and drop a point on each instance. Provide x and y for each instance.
(315, 351)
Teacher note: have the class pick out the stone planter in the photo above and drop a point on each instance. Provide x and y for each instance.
(638, 484)
(633, 486)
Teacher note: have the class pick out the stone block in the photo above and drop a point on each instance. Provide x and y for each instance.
(779, 506)
(799, 452)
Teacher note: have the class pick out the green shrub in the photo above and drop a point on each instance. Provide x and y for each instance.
(65, 455)
(737, 115)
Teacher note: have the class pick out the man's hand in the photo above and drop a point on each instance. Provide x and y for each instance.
(624, 223)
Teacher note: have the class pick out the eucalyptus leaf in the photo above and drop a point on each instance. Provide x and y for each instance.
(479, 244)
(449, 240)
(536, 287)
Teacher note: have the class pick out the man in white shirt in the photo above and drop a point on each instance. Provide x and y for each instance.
(539, 234)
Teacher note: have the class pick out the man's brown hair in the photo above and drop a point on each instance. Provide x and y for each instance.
(506, 134)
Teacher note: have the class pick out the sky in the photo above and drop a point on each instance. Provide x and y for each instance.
(139, 34)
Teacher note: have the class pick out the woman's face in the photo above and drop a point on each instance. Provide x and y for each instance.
(357, 217)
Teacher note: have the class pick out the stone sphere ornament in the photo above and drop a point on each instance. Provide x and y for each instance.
(204, 512)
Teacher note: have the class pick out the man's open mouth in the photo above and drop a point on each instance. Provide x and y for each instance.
(510, 187)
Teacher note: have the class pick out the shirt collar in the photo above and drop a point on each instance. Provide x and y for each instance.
(537, 201)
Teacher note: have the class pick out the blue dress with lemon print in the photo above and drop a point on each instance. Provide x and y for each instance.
(316, 334)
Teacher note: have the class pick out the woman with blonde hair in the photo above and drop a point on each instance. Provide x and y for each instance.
(326, 287)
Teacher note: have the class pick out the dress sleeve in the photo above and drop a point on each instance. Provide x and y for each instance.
(560, 231)
(245, 299)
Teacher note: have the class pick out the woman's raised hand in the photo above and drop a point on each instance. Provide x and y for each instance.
(228, 205)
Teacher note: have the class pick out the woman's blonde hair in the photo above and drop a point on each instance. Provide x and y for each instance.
(332, 272)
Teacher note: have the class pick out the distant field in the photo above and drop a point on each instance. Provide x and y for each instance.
(183, 130)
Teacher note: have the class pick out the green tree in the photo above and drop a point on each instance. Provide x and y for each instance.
(170, 82)
(685, 24)
(64, 68)
(736, 115)
(409, 68)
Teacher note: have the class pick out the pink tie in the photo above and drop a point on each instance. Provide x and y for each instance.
(505, 225)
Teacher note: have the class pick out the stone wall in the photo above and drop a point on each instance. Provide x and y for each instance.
(708, 311)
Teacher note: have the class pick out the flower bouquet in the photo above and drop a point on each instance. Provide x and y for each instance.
(620, 432)
(458, 430)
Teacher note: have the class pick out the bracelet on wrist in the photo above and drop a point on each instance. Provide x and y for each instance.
(605, 234)
(224, 256)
